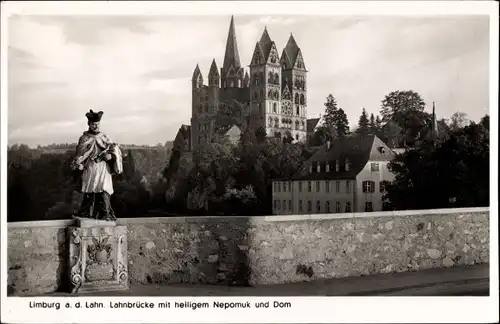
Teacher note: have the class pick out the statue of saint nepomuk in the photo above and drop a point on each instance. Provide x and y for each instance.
(97, 159)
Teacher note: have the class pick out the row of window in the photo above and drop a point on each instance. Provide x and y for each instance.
(368, 186)
(275, 109)
(300, 99)
(203, 127)
(287, 123)
(286, 206)
(325, 167)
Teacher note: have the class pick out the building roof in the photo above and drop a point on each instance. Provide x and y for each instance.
(357, 150)
(312, 123)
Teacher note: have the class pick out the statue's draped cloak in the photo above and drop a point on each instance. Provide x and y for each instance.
(96, 176)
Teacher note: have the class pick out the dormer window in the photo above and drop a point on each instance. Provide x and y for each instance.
(337, 166)
(327, 167)
(382, 150)
(347, 165)
(318, 167)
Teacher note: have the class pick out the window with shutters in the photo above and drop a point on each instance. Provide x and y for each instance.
(368, 186)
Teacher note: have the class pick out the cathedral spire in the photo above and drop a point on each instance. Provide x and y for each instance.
(232, 56)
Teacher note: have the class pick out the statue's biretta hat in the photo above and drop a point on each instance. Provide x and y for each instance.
(93, 116)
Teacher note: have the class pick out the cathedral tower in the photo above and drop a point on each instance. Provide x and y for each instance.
(294, 75)
(265, 86)
(232, 74)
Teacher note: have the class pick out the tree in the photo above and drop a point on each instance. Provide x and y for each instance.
(455, 173)
(458, 120)
(372, 126)
(485, 122)
(406, 109)
(391, 134)
(336, 123)
(397, 103)
(363, 123)
(341, 124)
(330, 117)
(320, 136)
(378, 123)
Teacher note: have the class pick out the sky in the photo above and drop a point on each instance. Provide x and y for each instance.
(138, 69)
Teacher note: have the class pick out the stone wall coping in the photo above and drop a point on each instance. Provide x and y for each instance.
(256, 219)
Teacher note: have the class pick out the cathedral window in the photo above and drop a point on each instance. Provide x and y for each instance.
(261, 78)
(270, 78)
(270, 94)
(262, 93)
(298, 110)
(302, 125)
(276, 95)
(273, 58)
(302, 99)
(270, 122)
(275, 107)
(276, 78)
(284, 66)
(206, 107)
(261, 108)
(297, 125)
(297, 98)
(200, 109)
(297, 137)
(276, 123)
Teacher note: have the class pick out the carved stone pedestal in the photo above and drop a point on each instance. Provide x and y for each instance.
(98, 256)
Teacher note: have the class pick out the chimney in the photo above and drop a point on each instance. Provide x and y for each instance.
(328, 145)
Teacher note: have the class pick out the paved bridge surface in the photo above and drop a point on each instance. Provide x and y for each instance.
(457, 281)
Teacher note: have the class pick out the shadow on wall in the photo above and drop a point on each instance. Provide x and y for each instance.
(194, 251)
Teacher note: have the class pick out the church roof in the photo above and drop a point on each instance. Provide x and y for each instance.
(266, 44)
(312, 123)
(213, 69)
(196, 73)
(232, 56)
(292, 50)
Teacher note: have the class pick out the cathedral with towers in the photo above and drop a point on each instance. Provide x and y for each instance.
(274, 89)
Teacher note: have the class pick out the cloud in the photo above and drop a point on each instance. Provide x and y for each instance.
(138, 69)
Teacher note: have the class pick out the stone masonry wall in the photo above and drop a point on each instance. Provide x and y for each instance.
(260, 250)
(285, 249)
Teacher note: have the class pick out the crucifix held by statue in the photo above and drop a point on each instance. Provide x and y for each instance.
(97, 159)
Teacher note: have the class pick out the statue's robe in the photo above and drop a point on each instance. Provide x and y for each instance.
(96, 178)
